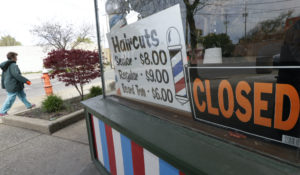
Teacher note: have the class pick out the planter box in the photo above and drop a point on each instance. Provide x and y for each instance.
(120, 133)
(43, 126)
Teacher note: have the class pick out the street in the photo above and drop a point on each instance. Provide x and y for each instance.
(35, 92)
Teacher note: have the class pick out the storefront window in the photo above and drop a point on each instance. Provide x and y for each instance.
(233, 65)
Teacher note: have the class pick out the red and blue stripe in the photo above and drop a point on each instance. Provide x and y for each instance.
(179, 77)
(121, 156)
(104, 144)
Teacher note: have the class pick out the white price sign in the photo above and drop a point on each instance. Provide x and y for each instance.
(149, 58)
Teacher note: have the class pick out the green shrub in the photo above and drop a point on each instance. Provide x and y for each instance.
(95, 91)
(219, 40)
(52, 103)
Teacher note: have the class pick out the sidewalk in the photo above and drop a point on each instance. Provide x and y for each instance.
(25, 152)
(18, 106)
(65, 93)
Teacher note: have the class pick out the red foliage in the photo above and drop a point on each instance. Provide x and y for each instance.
(73, 67)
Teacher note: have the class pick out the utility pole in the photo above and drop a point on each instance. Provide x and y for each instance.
(99, 46)
(245, 15)
(226, 22)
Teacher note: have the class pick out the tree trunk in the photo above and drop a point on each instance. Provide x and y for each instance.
(78, 90)
(81, 87)
(193, 31)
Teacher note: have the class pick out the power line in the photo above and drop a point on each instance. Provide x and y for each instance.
(256, 3)
(232, 14)
(271, 2)
(276, 10)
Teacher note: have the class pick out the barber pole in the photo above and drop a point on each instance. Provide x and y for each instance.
(122, 156)
(175, 51)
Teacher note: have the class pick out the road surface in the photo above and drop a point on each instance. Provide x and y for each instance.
(35, 92)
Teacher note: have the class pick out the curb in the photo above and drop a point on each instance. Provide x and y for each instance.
(43, 126)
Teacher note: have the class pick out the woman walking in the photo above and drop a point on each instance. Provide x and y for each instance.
(13, 82)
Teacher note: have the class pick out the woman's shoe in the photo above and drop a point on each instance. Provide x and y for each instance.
(2, 115)
(32, 106)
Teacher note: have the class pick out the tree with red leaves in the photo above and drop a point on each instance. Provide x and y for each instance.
(73, 67)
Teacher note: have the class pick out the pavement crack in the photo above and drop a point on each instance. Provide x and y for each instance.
(71, 140)
(31, 138)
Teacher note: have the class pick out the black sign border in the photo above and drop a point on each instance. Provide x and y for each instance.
(188, 68)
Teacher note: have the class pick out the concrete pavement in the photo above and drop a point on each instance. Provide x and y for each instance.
(64, 93)
(25, 152)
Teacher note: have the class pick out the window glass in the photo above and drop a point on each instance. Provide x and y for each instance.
(242, 66)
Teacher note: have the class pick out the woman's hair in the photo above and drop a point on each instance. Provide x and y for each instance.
(11, 55)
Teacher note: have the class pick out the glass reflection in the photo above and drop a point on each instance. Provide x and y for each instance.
(249, 33)
(246, 31)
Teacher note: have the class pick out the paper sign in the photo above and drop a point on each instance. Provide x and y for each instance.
(149, 58)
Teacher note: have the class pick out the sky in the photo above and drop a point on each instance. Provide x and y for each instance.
(17, 17)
